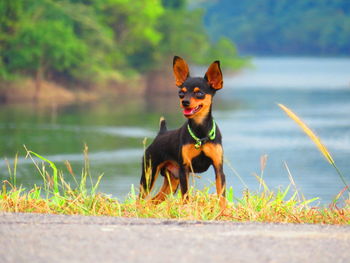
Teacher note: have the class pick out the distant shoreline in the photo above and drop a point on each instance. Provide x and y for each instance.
(24, 91)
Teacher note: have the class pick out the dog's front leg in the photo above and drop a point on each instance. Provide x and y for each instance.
(183, 175)
(215, 152)
(220, 180)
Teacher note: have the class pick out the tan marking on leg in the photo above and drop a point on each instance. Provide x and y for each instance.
(160, 196)
(219, 186)
(170, 185)
(215, 153)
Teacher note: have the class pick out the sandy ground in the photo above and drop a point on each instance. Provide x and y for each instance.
(58, 238)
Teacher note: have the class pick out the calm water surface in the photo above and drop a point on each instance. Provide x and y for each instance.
(318, 90)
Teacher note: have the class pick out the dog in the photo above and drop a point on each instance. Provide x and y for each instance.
(192, 148)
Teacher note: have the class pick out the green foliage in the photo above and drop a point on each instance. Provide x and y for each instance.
(303, 27)
(225, 51)
(175, 4)
(45, 44)
(88, 41)
(185, 34)
(49, 39)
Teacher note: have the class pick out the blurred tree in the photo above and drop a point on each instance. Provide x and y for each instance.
(185, 35)
(46, 41)
(174, 4)
(91, 41)
(134, 26)
(10, 13)
(225, 51)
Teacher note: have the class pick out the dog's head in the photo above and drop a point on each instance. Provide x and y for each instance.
(196, 93)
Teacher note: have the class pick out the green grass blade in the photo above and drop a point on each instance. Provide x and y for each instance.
(54, 169)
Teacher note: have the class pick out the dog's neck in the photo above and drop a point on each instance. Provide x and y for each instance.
(201, 128)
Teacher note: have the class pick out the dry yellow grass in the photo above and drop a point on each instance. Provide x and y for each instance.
(265, 206)
(322, 148)
(309, 132)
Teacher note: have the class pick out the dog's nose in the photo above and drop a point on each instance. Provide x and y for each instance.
(185, 103)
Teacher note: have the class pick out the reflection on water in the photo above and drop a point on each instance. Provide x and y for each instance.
(252, 125)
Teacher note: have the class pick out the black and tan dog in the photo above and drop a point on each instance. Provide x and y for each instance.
(193, 147)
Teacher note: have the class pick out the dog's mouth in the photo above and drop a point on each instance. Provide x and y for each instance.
(190, 111)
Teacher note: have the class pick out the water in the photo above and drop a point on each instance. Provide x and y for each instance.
(318, 90)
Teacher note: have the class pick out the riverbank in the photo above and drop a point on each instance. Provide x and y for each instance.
(26, 91)
(49, 92)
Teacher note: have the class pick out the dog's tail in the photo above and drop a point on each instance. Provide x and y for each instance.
(162, 126)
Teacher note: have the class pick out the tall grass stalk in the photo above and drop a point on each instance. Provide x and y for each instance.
(12, 171)
(228, 163)
(291, 179)
(322, 148)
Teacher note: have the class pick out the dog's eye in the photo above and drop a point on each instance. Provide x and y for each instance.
(199, 94)
(181, 94)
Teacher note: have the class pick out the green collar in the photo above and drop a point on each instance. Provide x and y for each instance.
(211, 136)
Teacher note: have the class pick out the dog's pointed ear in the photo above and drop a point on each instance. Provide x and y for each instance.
(214, 75)
(181, 70)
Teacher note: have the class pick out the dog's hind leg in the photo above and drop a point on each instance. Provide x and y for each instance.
(170, 185)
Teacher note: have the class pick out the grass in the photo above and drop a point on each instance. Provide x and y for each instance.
(266, 206)
(56, 196)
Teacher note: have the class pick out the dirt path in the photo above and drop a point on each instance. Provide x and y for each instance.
(57, 238)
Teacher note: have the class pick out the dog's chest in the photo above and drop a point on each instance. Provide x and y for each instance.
(201, 163)
(200, 159)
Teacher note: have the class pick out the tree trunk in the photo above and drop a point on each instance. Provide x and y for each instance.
(38, 81)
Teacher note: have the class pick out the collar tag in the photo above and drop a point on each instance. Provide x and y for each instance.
(199, 142)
